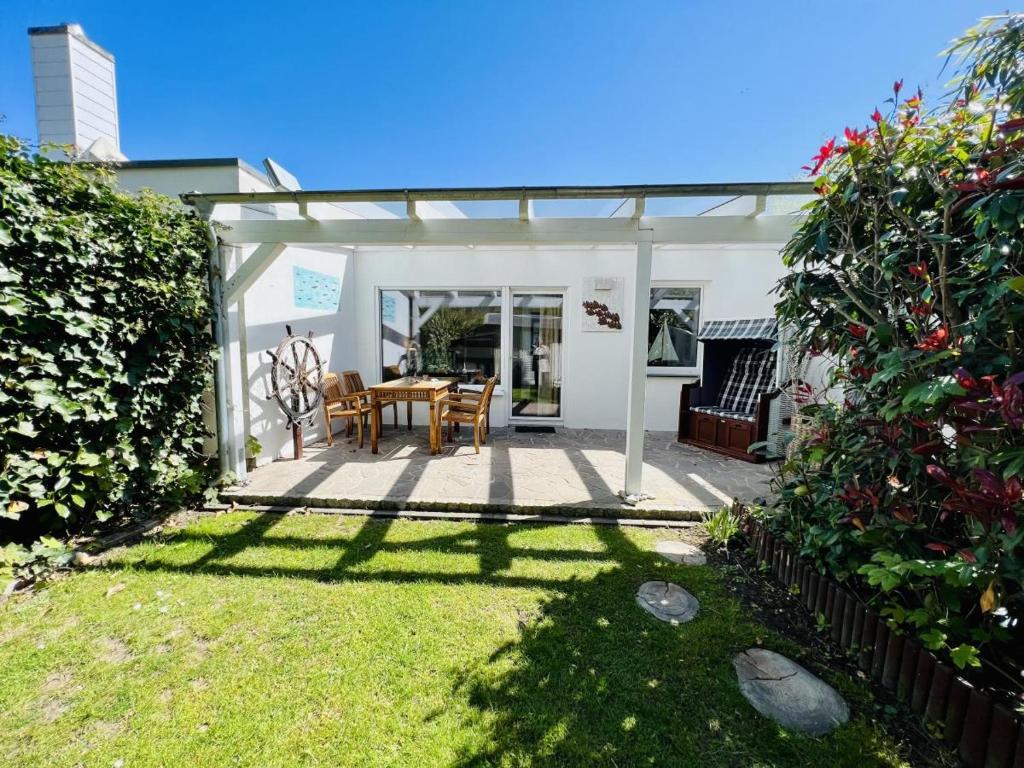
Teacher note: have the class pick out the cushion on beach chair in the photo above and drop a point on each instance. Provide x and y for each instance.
(751, 374)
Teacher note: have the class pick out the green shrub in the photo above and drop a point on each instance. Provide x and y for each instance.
(105, 348)
(908, 274)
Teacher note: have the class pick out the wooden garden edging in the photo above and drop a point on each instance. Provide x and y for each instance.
(986, 734)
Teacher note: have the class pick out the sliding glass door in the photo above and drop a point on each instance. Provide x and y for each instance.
(537, 369)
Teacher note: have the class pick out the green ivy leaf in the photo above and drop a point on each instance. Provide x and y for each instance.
(965, 655)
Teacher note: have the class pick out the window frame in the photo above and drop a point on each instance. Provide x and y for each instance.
(378, 309)
(676, 371)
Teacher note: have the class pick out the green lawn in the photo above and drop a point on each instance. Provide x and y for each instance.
(328, 641)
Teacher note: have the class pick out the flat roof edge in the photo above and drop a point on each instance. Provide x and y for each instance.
(71, 29)
(510, 193)
(193, 162)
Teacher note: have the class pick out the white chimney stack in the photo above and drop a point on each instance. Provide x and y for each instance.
(76, 91)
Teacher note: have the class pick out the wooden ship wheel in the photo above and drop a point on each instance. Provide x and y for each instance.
(296, 382)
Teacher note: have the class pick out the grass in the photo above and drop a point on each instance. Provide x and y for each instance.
(263, 640)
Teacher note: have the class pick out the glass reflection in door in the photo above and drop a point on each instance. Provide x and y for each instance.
(536, 355)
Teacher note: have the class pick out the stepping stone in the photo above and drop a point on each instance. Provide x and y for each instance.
(668, 602)
(787, 693)
(680, 552)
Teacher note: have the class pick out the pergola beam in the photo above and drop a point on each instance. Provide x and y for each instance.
(681, 230)
(250, 270)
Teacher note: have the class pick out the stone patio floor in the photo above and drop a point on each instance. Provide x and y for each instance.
(571, 470)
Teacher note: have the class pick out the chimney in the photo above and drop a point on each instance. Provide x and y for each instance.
(76, 91)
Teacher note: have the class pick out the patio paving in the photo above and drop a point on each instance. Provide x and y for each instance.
(576, 471)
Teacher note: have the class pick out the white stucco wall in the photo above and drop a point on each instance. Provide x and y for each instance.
(736, 284)
(269, 306)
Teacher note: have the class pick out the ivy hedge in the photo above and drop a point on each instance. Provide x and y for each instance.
(105, 349)
(908, 275)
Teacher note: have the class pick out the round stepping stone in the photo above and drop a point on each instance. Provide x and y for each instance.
(787, 693)
(668, 602)
(680, 552)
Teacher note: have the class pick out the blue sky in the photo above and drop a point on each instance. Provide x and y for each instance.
(415, 94)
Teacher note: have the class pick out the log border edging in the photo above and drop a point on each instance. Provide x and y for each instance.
(986, 734)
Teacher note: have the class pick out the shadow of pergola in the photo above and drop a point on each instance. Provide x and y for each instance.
(590, 679)
(488, 542)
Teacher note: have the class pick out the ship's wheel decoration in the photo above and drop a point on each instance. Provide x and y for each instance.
(296, 382)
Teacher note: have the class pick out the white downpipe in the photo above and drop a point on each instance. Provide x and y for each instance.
(217, 323)
(633, 491)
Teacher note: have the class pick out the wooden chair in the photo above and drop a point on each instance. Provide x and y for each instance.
(470, 408)
(354, 386)
(339, 405)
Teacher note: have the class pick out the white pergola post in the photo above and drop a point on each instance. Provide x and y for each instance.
(235, 389)
(638, 369)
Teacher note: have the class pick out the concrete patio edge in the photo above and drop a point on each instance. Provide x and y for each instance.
(466, 516)
(241, 497)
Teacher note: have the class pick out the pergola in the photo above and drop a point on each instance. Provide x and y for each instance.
(265, 223)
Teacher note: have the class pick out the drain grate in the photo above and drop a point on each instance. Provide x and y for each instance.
(536, 430)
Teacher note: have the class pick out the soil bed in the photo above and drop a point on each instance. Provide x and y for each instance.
(776, 608)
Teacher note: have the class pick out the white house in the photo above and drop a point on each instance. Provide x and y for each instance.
(479, 282)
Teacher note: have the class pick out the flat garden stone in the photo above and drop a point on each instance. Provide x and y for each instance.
(787, 693)
(680, 552)
(666, 601)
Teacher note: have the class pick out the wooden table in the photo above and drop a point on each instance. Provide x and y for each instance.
(430, 391)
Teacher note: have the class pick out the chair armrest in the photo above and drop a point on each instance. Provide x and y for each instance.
(460, 395)
(343, 400)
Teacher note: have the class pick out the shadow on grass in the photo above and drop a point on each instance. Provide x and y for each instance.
(592, 679)
(595, 680)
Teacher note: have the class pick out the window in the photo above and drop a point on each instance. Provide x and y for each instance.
(672, 328)
(441, 333)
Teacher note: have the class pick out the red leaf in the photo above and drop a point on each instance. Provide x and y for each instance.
(937, 547)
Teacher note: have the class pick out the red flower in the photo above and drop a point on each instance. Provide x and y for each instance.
(897, 87)
(964, 379)
(935, 341)
(876, 116)
(856, 138)
(919, 270)
(826, 151)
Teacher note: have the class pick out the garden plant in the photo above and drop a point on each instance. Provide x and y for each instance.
(907, 277)
(105, 352)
